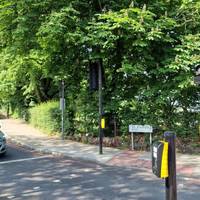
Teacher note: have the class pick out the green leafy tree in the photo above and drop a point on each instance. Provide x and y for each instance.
(149, 49)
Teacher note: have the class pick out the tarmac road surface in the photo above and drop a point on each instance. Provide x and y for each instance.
(25, 174)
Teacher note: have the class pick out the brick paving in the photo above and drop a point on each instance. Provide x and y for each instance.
(130, 159)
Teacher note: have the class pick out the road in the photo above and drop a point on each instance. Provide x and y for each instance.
(27, 175)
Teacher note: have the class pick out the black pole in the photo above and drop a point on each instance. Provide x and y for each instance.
(170, 182)
(100, 107)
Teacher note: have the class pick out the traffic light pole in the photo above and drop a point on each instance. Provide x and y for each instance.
(170, 181)
(100, 108)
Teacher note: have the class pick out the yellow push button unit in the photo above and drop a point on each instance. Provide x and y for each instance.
(160, 159)
(103, 123)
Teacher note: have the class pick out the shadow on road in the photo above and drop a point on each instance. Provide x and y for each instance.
(61, 178)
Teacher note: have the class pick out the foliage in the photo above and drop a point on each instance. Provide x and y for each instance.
(150, 50)
(48, 118)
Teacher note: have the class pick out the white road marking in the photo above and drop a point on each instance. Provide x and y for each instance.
(57, 181)
(36, 188)
(24, 159)
(180, 185)
(186, 178)
(11, 197)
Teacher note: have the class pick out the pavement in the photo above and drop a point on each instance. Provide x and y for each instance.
(24, 134)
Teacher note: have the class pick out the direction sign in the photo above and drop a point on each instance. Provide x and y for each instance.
(140, 129)
(197, 79)
(62, 104)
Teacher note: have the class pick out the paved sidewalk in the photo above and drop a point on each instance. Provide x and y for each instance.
(26, 135)
(18, 131)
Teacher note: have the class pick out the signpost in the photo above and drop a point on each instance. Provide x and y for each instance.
(140, 129)
(164, 163)
(62, 108)
(96, 82)
(170, 181)
(100, 107)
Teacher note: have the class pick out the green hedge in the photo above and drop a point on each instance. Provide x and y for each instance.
(46, 116)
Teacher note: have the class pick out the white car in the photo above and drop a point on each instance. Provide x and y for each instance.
(2, 143)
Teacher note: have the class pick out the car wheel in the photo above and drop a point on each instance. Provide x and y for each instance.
(3, 154)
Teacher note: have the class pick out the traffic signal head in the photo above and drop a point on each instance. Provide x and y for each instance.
(93, 75)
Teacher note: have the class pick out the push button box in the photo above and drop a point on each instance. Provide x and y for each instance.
(160, 159)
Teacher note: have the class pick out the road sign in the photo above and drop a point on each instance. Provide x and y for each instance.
(140, 129)
(197, 79)
(197, 73)
(62, 104)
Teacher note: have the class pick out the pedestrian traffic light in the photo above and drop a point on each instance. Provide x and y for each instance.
(160, 159)
(93, 72)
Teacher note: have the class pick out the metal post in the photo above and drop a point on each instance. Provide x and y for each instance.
(100, 108)
(170, 182)
(115, 127)
(62, 108)
(132, 141)
(150, 140)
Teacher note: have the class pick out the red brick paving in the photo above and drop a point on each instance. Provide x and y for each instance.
(185, 170)
(134, 159)
(130, 159)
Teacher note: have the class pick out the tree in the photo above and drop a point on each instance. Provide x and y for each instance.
(149, 51)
